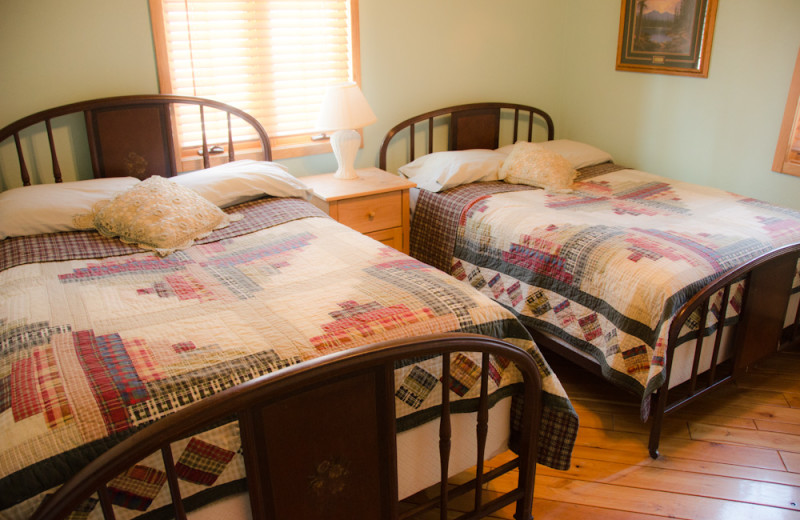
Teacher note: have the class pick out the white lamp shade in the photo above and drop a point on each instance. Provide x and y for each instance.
(344, 107)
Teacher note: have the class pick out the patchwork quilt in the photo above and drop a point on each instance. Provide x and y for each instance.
(604, 267)
(99, 341)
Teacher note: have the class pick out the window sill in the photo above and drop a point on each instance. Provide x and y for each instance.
(281, 149)
(289, 151)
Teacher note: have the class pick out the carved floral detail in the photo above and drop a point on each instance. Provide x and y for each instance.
(330, 478)
(135, 165)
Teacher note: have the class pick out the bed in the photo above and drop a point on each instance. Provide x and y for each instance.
(182, 332)
(623, 272)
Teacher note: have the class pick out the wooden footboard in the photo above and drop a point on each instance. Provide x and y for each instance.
(308, 456)
(758, 333)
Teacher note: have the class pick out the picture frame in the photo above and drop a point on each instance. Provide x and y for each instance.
(666, 36)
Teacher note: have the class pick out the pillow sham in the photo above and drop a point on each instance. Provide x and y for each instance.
(439, 171)
(157, 215)
(532, 164)
(578, 154)
(49, 208)
(239, 181)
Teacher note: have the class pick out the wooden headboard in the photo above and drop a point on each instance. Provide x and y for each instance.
(475, 125)
(136, 136)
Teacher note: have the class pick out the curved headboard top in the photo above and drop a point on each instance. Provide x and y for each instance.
(136, 136)
(474, 125)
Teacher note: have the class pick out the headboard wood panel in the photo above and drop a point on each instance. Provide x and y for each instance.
(118, 152)
(136, 135)
(474, 125)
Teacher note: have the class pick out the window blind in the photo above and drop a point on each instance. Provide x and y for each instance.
(271, 58)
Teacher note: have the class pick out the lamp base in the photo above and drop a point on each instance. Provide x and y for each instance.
(345, 145)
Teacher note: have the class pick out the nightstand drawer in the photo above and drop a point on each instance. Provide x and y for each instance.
(372, 213)
(391, 237)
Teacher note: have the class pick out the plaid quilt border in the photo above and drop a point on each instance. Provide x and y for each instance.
(82, 245)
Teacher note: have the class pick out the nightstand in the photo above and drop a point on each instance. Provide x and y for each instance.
(375, 204)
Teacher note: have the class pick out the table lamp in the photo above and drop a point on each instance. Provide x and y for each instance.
(344, 108)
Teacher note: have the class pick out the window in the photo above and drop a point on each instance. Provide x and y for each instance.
(271, 58)
(787, 153)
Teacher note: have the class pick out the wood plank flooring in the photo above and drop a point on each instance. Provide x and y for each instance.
(735, 454)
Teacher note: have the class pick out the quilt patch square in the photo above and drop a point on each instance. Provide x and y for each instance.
(136, 488)
(25, 400)
(416, 387)
(57, 410)
(538, 303)
(564, 313)
(497, 366)
(590, 325)
(515, 293)
(496, 285)
(202, 462)
(464, 373)
(476, 279)
(636, 359)
(458, 271)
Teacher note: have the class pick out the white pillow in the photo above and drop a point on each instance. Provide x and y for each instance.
(442, 170)
(49, 208)
(156, 215)
(532, 164)
(578, 154)
(240, 181)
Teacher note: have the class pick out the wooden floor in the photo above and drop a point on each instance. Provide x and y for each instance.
(735, 454)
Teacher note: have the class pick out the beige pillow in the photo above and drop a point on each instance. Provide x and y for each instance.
(580, 155)
(156, 214)
(49, 208)
(532, 164)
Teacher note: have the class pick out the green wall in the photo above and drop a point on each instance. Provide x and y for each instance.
(719, 131)
(57, 52)
(423, 54)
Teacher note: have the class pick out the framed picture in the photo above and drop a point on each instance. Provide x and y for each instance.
(666, 36)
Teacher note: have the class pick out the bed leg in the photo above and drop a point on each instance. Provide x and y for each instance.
(654, 450)
(655, 435)
(658, 404)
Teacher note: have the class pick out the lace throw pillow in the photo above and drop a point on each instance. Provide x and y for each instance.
(156, 214)
(530, 163)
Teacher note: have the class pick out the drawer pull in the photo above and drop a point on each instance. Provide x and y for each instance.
(371, 215)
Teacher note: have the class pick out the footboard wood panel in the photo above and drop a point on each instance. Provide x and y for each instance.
(769, 289)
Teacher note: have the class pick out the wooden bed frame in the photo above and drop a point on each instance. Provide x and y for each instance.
(768, 278)
(278, 478)
(282, 447)
(142, 126)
